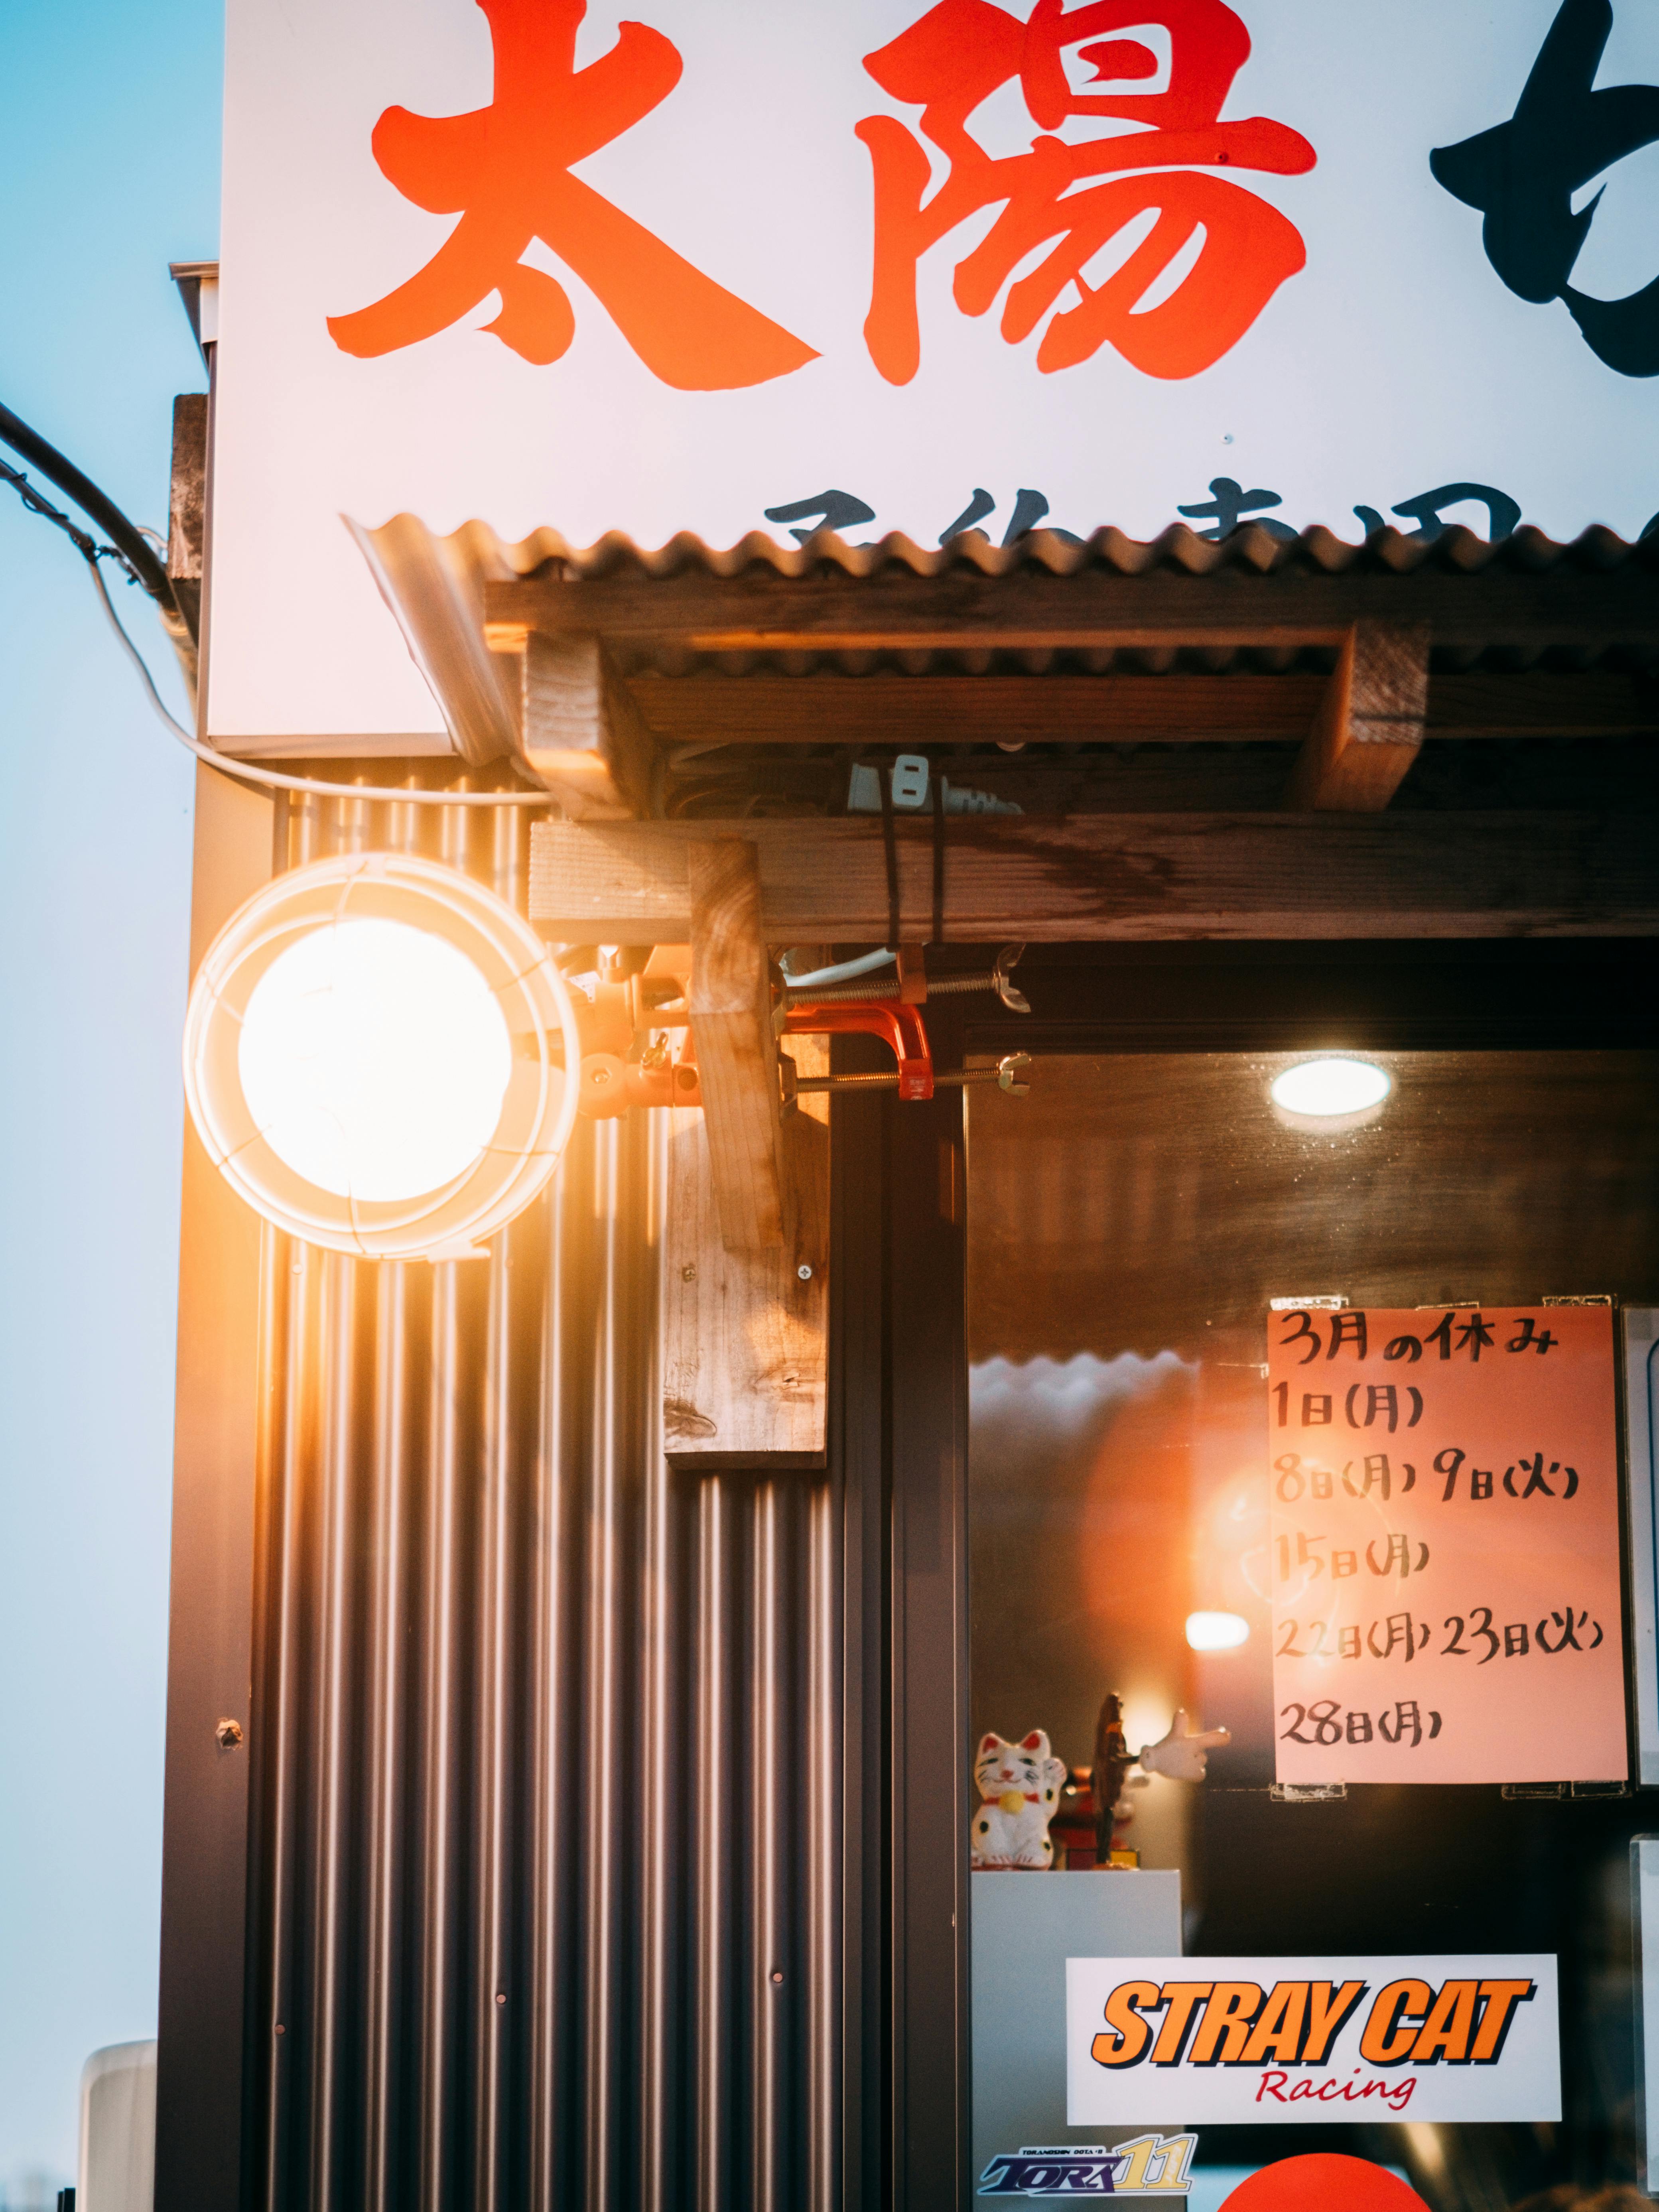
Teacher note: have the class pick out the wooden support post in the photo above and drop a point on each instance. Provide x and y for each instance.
(187, 530)
(579, 731)
(187, 505)
(737, 1054)
(745, 1334)
(1370, 723)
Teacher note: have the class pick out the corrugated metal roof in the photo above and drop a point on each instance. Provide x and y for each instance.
(1250, 547)
(437, 586)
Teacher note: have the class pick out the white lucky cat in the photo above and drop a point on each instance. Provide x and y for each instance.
(1020, 1783)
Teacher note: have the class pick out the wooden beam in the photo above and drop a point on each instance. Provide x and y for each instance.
(745, 1333)
(187, 506)
(885, 710)
(961, 610)
(730, 1003)
(579, 731)
(1143, 877)
(1369, 727)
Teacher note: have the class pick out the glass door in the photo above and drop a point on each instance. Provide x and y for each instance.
(1132, 1226)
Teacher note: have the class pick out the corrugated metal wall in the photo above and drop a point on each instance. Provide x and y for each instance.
(545, 1860)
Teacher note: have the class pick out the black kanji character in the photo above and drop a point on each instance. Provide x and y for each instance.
(836, 510)
(1476, 1333)
(1398, 1558)
(1229, 502)
(1569, 1633)
(1407, 1715)
(1523, 173)
(1427, 510)
(1405, 1635)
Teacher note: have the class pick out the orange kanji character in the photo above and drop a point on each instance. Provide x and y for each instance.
(505, 170)
(962, 51)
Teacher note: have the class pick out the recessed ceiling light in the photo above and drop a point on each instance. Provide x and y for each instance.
(1330, 1088)
(1217, 1632)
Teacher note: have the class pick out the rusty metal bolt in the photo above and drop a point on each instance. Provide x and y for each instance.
(227, 1735)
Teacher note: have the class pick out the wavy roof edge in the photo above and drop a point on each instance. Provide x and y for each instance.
(477, 547)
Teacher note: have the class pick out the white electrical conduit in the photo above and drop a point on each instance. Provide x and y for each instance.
(843, 972)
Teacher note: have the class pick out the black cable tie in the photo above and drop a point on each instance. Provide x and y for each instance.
(88, 548)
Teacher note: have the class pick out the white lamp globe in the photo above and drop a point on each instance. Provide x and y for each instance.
(373, 1059)
(376, 1056)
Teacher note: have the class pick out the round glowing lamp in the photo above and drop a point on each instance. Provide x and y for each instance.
(1217, 1632)
(1332, 1090)
(374, 1057)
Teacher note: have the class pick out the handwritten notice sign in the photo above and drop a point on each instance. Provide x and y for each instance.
(1153, 2041)
(1445, 1564)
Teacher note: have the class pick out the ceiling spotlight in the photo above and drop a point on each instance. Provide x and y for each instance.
(1217, 1632)
(374, 1057)
(1333, 1089)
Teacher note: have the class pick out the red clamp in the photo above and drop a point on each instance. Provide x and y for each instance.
(899, 1025)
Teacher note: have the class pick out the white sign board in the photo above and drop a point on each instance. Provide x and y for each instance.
(1198, 2041)
(744, 266)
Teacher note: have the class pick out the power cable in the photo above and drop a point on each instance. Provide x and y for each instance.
(128, 542)
(140, 563)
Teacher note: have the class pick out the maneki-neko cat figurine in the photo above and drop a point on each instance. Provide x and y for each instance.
(1020, 1784)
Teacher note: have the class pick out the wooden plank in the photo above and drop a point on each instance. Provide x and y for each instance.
(730, 1003)
(1369, 727)
(962, 610)
(1146, 876)
(579, 731)
(883, 710)
(744, 1335)
(187, 505)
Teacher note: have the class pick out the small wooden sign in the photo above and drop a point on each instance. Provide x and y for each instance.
(1447, 1595)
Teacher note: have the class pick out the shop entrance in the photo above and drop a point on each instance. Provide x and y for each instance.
(1130, 1225)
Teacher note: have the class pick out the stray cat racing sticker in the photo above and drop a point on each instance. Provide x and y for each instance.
(1151, 2166)
(1216, 2040)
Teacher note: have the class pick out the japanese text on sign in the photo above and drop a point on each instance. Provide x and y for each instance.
(1445, 1544)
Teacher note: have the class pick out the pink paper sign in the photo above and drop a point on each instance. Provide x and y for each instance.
(1447, 1592)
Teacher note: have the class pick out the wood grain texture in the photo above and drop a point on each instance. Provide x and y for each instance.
(746, 1340)
(580, 732)
(1146, 876)
(730, 1004)
(962, 610)
(187, 516)
(882, 709)
(1370, 723)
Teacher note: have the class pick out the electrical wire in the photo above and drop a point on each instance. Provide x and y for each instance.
(843, 972)
(138, 558)
(141, 564)
(250, 772)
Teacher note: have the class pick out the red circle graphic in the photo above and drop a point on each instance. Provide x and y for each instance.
(1321, 2181)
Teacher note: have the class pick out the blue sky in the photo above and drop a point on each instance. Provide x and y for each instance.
(108, 169)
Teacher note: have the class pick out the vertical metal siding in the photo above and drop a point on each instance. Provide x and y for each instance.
(545, 1877)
